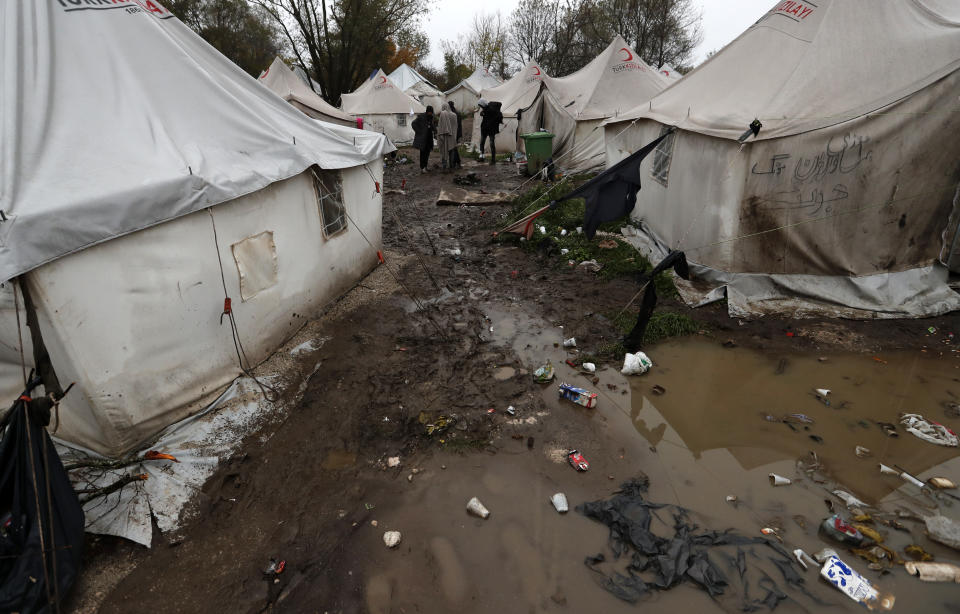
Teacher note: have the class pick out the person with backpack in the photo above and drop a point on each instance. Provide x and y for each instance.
(489, 126)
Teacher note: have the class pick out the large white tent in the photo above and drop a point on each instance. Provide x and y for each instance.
(383, 107)
(845, 201)
(515, 94)
(285, 83)
(417, 86)
(465, 94)
(573, 107)
(670, 73)
(145, 177)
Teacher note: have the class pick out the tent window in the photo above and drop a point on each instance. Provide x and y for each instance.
(401, 119)
(330, 199)
(662, 156)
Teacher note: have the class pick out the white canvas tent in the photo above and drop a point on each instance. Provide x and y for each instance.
(284, 83)
(670, 73)
(845, 202)
(466, 93)
(516, 93)
(573, 107)
(127, 141)
(417, 86)
(383, 107)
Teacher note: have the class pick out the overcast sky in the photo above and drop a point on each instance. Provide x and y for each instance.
(722, 21)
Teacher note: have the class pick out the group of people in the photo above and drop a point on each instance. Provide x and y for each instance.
(447, 129)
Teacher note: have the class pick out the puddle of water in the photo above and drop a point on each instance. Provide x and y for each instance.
(702, 440)
(503, 373)
(339, 459)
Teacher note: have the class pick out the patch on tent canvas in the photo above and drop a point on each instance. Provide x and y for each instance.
(256, 259)
(457, 196)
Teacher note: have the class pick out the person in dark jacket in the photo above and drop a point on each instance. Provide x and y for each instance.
(456, 152)
(490, 126)
(424, 130)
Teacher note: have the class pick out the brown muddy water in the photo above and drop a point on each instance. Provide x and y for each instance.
(705, 438)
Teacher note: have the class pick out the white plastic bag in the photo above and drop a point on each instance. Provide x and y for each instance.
(635, 364)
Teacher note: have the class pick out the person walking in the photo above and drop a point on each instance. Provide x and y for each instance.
(424, 129)
(489, 126)
(456, 150)
(447, 136)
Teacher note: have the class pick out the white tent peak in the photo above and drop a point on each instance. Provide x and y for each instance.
(601, 87)
(518, 91)
(825, 70)
(380, 94)
(480, 79)
(669, 72)
(405, 77)
(284, 82)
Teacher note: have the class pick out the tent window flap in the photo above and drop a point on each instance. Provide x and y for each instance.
(329, 190)
(662, 157)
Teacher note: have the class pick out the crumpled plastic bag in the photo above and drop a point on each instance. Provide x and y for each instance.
(636, 364)
(929, 431)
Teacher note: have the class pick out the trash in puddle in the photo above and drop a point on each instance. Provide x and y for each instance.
(393, 461)
(917, 553)
(731, 498)
(942, 529)
(821, 395)
(476, 508)
(391, 539)
(570, 343)
(801, 418)
(275, 567)
(929, 430)
(543, 374)
(579, 396)
(636, 364)
(778, 480)
(773, 532)
(835, 527)
(559, 501)
(853, 585)
(933, 572)
(862, 452)
(822, 556)
(658, 390)
(803, 558)
(512, 410)
(577, 461)
(589, 367)
(941, 483)
(903, 475)
(890, 430)
(849, 499)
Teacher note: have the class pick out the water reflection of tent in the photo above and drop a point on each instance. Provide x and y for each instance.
(114, 205)
(573, 107)
(516, 93)
(383, 107)
(284, 83)
(843, 204)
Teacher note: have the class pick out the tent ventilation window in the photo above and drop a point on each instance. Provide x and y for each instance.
(401, 119)
(662, 156)
(330, 199)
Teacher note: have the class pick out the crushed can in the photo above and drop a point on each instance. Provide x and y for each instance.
(577, 461)
(579, 396)
(835, 527)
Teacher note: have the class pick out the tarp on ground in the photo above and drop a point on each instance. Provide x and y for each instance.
(845, 202)
(284, 83)
(115, 117)
(573, 107)
(516, 93)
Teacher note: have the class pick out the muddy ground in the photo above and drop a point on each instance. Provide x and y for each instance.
(455, 332)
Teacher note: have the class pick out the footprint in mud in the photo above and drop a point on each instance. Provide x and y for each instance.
(531, 565)
(453, 577)
(379, 593)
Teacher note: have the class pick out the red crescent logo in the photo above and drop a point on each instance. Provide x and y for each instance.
(265, 73)
(629, 55)
(665, 72)
(383, 79)
(536, 68)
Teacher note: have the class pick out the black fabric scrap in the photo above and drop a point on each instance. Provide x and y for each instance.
(28, 457)
(682, 557)
(678, 262)
(612, 194)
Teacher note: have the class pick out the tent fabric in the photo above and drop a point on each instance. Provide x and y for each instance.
(383, 107)
(284, 83)
(478, 81)
(112, 121)
(669, 73)
(574, 106)
(515, 94)
(809, 65)
(405, 77)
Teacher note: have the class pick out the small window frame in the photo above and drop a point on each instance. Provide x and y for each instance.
(401, 119)
(328, 187)
(663, 158)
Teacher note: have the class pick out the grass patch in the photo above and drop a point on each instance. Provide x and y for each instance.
(666, 324)
(475, 155)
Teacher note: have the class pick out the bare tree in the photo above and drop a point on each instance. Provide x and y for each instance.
(340, 41)
(661, 31)
(486, 45)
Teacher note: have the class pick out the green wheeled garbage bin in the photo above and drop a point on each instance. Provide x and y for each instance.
(539, 148)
